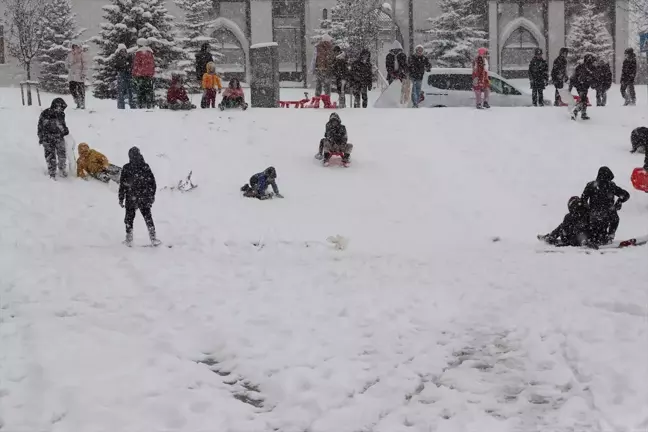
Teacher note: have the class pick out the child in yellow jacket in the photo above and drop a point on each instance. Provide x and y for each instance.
(210, 82)
(96, 165)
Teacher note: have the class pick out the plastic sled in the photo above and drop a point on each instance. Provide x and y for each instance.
(639, 179)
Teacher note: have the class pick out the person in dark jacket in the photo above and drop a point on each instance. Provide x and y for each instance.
(340, 71)
(257, 188)
(639, 140)
(602, 81)
(334, 141)
(559, 74)
(137, 189)
(599, 196)
(582, 79)
(539, 77)
(417, 66)
(361, 78)
(628, 75)
(575, 229)
(124, 67)
(52, 131)
(203, 57)
(396, 63)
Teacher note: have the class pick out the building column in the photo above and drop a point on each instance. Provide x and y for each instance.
(621, 30)
(555, 29)
(493, 35)
(261, 21)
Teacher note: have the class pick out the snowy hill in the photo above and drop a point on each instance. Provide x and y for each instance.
(254, 322)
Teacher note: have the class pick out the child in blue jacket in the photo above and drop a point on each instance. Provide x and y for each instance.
(259, 184)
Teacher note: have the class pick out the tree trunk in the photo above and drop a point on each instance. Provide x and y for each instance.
(29, 94)
(28, 68)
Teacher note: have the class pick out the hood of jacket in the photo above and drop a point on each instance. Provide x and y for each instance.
(83, 149)
(135, 156)
(58, 103)
(396, 46)
(336, 117)
(365, 53)
(605, 174)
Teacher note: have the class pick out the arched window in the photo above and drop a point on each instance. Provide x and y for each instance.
(518, 51)
(324, 14)
(230, 56)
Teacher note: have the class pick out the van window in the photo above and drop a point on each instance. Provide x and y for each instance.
(461, 82)
(500, 87)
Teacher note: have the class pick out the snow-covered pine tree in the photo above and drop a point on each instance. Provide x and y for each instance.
(57, 31)
(127, 21)
(589, 35)
(455, 34)
(193, 34)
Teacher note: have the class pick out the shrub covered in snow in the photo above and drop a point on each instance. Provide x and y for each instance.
(589, 35)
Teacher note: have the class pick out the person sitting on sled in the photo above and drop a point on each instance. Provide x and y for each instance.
(95, 164)
(177, 97)
(574, 230)
(599, 196)
(334, 141)
(233, 96)
(639, 140)
(259, 184)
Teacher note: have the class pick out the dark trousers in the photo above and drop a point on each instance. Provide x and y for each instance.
(208, 99)
(604, 226)
(77, 90)
(124, 89)
(628, 93)
(601, 97)
(145, 92)
(537, 96)
(357, 94)
(146, 214)
(54, 151)
(557, 98)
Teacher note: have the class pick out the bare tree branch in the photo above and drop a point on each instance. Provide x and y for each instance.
(23, 18)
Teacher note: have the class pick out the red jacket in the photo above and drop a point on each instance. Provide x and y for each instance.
(144, 63)
(480, 74)
(176, 93)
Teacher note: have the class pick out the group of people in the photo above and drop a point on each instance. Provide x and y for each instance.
(409, 71)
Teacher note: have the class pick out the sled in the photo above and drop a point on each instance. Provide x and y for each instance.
(639, 179)
(616, 244)
(313, 102)
(70, 152)
(340, 155)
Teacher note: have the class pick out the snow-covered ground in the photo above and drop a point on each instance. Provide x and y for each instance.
(440, 315)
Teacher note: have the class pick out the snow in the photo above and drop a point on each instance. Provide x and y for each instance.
(439, 314)
(264, 45)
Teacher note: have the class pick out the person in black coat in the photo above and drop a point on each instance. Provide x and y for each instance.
(418, 64)
(559, 74)
(599, 196)
(575, 229)
(340, 70)
(639, 140)
(602, 81)
(335, 140)
(539, 77)
(124, 67)
(137, 189)
(583, 79)
(52, 131)
(396, 63)
(203, 57)
(628, 75)
(361, 78)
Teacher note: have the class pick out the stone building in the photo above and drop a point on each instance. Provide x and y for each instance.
(515, 28)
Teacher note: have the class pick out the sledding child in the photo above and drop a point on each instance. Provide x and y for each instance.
(233, 96)
(259, 184)
(574, 230)
(177, 97)
(95, 164)
(599, 196)
(211, 84)
(334, 141)
(52, 131)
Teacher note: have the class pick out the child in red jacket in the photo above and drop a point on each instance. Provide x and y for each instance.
(233, 96)
(177, 97)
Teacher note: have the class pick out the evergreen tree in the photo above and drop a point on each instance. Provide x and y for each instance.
(127, 21)
(57, 31)
(194, 33)
(455, 34)
(589, 35)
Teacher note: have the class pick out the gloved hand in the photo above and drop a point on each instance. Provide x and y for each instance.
(121, 204)
(618, 206)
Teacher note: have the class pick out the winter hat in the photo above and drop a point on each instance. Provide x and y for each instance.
(83, 148)
(538, 51)
(629, 51)
(58, 103)
(142, 42)
(336, 117)
(482, 51)
(327, 38)
(605, 174)
(211, 67)
(397, 46)
(270, 172)
(573, 203)
(121, 47)
(419, 47)
(135, 156)
(564, 50)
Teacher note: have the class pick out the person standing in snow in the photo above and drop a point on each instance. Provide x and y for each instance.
(233, 96)
(211, 84)
(203, 58)
(95, 164)
(322, 65)
(259, 184)
(340, 72)
(582, 79)
(602, 81)
(639, 140)
(143, 73)
(599, 196)
(396, 63)
(361, 78)
(481, 80)
(137, 189)
(124, 66)
(559, 74)
(52, 131)
(417, 66)
(539, 76)
(77, 75)
(628, 75)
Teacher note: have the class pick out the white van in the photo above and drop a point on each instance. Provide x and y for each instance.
(454, 88)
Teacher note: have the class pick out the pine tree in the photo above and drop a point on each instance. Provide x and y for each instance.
(589, 35)
(455, 34)
(127, 21)
(194, 33)
(57, 32)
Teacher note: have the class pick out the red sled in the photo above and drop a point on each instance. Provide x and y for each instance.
(639, 179)
(310, 103)
(577, 100)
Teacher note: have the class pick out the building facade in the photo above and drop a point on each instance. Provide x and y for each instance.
(515, 28)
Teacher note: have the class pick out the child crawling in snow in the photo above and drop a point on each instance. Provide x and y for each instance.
(95, 164)
(259, 184)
